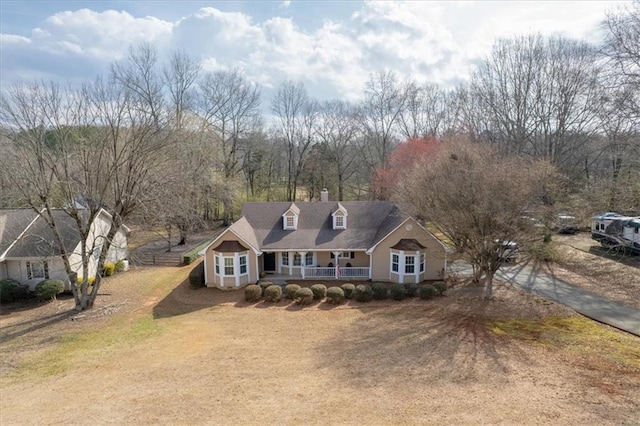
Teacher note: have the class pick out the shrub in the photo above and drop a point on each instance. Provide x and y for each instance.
(120, 265)
(8, 289)
(380, 291)
(428, 292)
(543, 252)
(304, 296)
(398, 291)
(440, 287)
(48, 289)
(252, 293)
(290, 291)
(108, 269)
(265, 284)
(196, 276)
(335, 295)
(363, 293)
(411, 289)
(273, 293)
(189, 258)
(319, 291)
(91, 281)
(348, 289)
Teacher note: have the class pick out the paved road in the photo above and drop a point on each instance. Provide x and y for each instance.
(582, 301)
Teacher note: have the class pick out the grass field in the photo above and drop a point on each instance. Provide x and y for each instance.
(154, 351)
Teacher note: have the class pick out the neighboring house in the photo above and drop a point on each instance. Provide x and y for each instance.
(349, 240)
(29, 252)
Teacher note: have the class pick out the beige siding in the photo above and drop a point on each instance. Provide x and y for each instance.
(435, 259)
(361, 259)
(212, 280)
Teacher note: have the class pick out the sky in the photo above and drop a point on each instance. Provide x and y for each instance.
(331, 46)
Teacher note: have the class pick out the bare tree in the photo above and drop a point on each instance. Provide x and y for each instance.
(476, 195)
(337, 129)
(296, 115)
(229, 105)
(180, 77)
(427, 113)
(385, 100)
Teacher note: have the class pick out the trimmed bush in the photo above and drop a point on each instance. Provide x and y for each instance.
(398, 291)
(380, 291)
(349, 289)
(48, 289)
(428, 292)
(335, 295)
(120, 265)
(8, 289)
(319, 291)
(196, 276)
(363, 293)
(411, 289)
(290, 291)
(265, 284)
(304, 296)
(273, 293)
(109, 269)
(440, 286)
(252, 293)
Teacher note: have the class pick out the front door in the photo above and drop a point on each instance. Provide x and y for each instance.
(269, 262)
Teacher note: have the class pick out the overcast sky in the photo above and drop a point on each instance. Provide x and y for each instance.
(331, 46)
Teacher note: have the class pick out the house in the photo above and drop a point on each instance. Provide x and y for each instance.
(349, 240)
(29, 252)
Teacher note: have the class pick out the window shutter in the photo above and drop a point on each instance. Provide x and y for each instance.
(46, 269)
(29, 275)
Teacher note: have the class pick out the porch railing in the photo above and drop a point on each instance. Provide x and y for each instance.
(330, 272)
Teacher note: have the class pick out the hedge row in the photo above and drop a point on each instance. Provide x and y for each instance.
(336, 295)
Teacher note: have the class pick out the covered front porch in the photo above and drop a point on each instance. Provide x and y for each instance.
(315, 265)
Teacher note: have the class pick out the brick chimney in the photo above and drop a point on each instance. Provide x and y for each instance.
(324, 195)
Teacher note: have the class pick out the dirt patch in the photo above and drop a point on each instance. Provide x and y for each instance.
(174, 355)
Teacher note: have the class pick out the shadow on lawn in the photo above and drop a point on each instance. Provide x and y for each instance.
(442, 340)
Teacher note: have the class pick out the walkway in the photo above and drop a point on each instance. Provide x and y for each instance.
(582, 301)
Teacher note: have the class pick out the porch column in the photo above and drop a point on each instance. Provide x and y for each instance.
(371, 265)
(336, 256)
(303, 255)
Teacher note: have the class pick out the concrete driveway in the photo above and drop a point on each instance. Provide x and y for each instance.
(552, 288)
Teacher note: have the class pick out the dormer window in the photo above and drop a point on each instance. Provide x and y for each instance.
(290, 218)
(339, 217)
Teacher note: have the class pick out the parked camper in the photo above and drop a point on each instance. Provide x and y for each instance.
(615, 230)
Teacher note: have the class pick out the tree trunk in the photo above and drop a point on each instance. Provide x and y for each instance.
(488, 285)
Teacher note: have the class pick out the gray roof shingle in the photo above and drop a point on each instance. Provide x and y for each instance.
(368, 222)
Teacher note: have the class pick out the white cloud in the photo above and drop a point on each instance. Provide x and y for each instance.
(428, 41)
(285, 4)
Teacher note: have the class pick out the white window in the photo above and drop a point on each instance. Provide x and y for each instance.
(421, 262)
(395, 261)
(37, 270)
(243, 264)
(285, 258)
(290, 222)
(297, 259)
(339, 222)
(217, 265)
(308, 259)
(228, 266)
(409, 264)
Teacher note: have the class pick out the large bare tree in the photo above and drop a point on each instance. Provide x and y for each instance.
(477, 196)
(296, 116)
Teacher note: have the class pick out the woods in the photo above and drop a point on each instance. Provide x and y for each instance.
(174, 146)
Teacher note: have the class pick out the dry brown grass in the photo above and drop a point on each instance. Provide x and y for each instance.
(173, 355)
(585, 263)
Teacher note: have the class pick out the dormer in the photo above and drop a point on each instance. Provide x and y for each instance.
(290, 218)
(340, 217)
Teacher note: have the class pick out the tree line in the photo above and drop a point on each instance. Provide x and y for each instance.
(173, 146)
